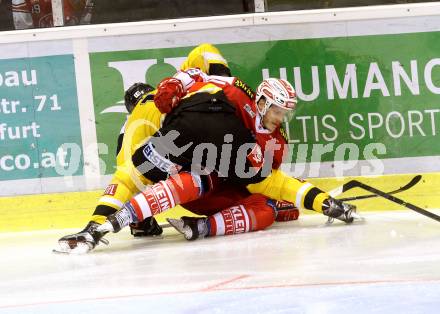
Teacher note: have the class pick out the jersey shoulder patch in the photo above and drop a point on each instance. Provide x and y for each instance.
(245, 88)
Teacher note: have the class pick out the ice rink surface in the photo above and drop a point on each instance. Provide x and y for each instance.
(388, 264)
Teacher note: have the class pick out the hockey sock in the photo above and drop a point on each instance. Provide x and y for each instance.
(232, 220)
(279, 186)
(253, 213)
(181, 188)
(112, 200)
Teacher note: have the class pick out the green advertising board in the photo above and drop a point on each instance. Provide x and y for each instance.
(39, 125)
(359, 97)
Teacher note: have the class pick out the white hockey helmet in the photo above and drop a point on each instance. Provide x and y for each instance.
(276, 92)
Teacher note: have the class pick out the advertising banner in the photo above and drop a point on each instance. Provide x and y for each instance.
(360, 98)
(40, 133)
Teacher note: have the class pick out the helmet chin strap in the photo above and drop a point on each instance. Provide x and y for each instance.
(263, 112)
(266, 106)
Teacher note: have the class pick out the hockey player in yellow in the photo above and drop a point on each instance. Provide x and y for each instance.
(208, 59)
(144, 121)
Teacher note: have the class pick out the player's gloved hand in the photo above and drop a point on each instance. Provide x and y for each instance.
(169, 92)
(286, 211)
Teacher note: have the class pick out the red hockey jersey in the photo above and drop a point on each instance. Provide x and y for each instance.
(242, 97)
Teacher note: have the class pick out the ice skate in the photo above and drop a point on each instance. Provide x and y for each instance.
(191, 227)
(145, 228)
(336, 209)
(83, 241)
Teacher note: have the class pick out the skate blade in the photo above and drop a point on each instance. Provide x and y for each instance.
(356, 218)
(330, 221)
(64, 248)
(176, 224)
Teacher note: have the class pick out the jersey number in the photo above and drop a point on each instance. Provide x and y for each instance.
(36, 9)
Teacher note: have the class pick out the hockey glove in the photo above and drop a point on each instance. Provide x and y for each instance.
(286, 211)
(169, 93)
(283, 211)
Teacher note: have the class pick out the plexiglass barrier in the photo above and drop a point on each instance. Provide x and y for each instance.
(27, 14)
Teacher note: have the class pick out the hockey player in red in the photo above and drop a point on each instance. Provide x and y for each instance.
(200, 101)
(268, 134)
(38, 13)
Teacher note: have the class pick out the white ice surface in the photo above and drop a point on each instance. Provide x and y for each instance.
(388, 264)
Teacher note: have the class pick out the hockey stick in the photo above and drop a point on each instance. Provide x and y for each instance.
(407, 186)
(342, 189)
(394, 199)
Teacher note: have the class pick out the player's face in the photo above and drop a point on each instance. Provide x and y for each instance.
(274, 117)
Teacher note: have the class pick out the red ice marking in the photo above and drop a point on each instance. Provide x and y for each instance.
(215, 288)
